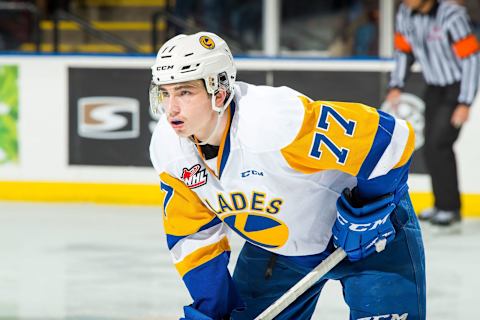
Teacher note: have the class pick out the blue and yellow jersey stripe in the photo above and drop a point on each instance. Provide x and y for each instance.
(202, 256)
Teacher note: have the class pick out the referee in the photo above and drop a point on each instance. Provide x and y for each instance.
(438, 35)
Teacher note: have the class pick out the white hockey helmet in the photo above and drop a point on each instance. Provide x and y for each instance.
(203, 55)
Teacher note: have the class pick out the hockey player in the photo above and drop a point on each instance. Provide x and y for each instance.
(292, 176)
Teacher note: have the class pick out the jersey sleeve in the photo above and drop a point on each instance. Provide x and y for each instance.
(356, 139)
(466, 47)
(199, 248)
(403, 55)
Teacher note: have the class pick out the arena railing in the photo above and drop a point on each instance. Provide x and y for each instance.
(88, 28)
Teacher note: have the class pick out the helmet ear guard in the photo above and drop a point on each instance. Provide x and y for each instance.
(214, 84)
(211, 84)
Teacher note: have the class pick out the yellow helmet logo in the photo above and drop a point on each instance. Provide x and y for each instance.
(207, 42)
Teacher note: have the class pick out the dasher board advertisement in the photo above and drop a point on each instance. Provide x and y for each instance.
(8, 114)
(109, 117)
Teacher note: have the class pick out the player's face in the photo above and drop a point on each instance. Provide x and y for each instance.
(188, 108)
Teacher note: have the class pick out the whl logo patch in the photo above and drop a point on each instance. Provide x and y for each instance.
(194, 177)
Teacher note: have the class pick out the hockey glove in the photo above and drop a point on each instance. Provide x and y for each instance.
(362, 230)
(194, 314)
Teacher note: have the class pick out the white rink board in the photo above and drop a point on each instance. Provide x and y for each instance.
(43, 126)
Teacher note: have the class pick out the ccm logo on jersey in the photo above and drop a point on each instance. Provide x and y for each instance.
(251, 173)
(108, 118)
(194, 177)
(392, 316)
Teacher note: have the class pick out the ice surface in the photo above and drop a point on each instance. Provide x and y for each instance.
(98, 262)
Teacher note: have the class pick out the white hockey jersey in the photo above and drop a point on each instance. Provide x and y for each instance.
(281, 166)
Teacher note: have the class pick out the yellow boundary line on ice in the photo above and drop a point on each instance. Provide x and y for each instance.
(142, 194)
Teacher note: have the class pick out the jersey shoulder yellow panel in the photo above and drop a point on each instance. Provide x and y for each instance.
(183, 212)
(333, 136)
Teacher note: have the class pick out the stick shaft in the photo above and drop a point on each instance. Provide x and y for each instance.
(303, 285)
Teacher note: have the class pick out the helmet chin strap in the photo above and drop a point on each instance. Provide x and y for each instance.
(220, 112)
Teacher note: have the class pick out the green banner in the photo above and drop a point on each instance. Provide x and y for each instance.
(8, 114)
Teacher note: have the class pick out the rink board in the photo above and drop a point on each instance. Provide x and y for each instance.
(63, 156)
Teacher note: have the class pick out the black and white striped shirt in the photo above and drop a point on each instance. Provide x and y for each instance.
(442, 42)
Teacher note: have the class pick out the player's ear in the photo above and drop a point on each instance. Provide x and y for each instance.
(220, 97)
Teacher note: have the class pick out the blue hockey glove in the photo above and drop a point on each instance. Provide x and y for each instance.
(363, 229)
(194, 314)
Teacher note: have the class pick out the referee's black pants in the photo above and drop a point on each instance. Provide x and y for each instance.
(440, 135)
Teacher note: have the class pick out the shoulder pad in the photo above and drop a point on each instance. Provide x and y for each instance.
(268, 118)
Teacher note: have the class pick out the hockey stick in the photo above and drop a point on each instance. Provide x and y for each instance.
(303, 285)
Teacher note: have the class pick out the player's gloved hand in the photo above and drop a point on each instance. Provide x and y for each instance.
(194, 314)
(363, 229)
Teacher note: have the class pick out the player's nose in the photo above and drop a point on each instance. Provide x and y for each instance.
(173, 105)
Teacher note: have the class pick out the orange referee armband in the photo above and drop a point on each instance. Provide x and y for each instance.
(401, 43)
(467, 46)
